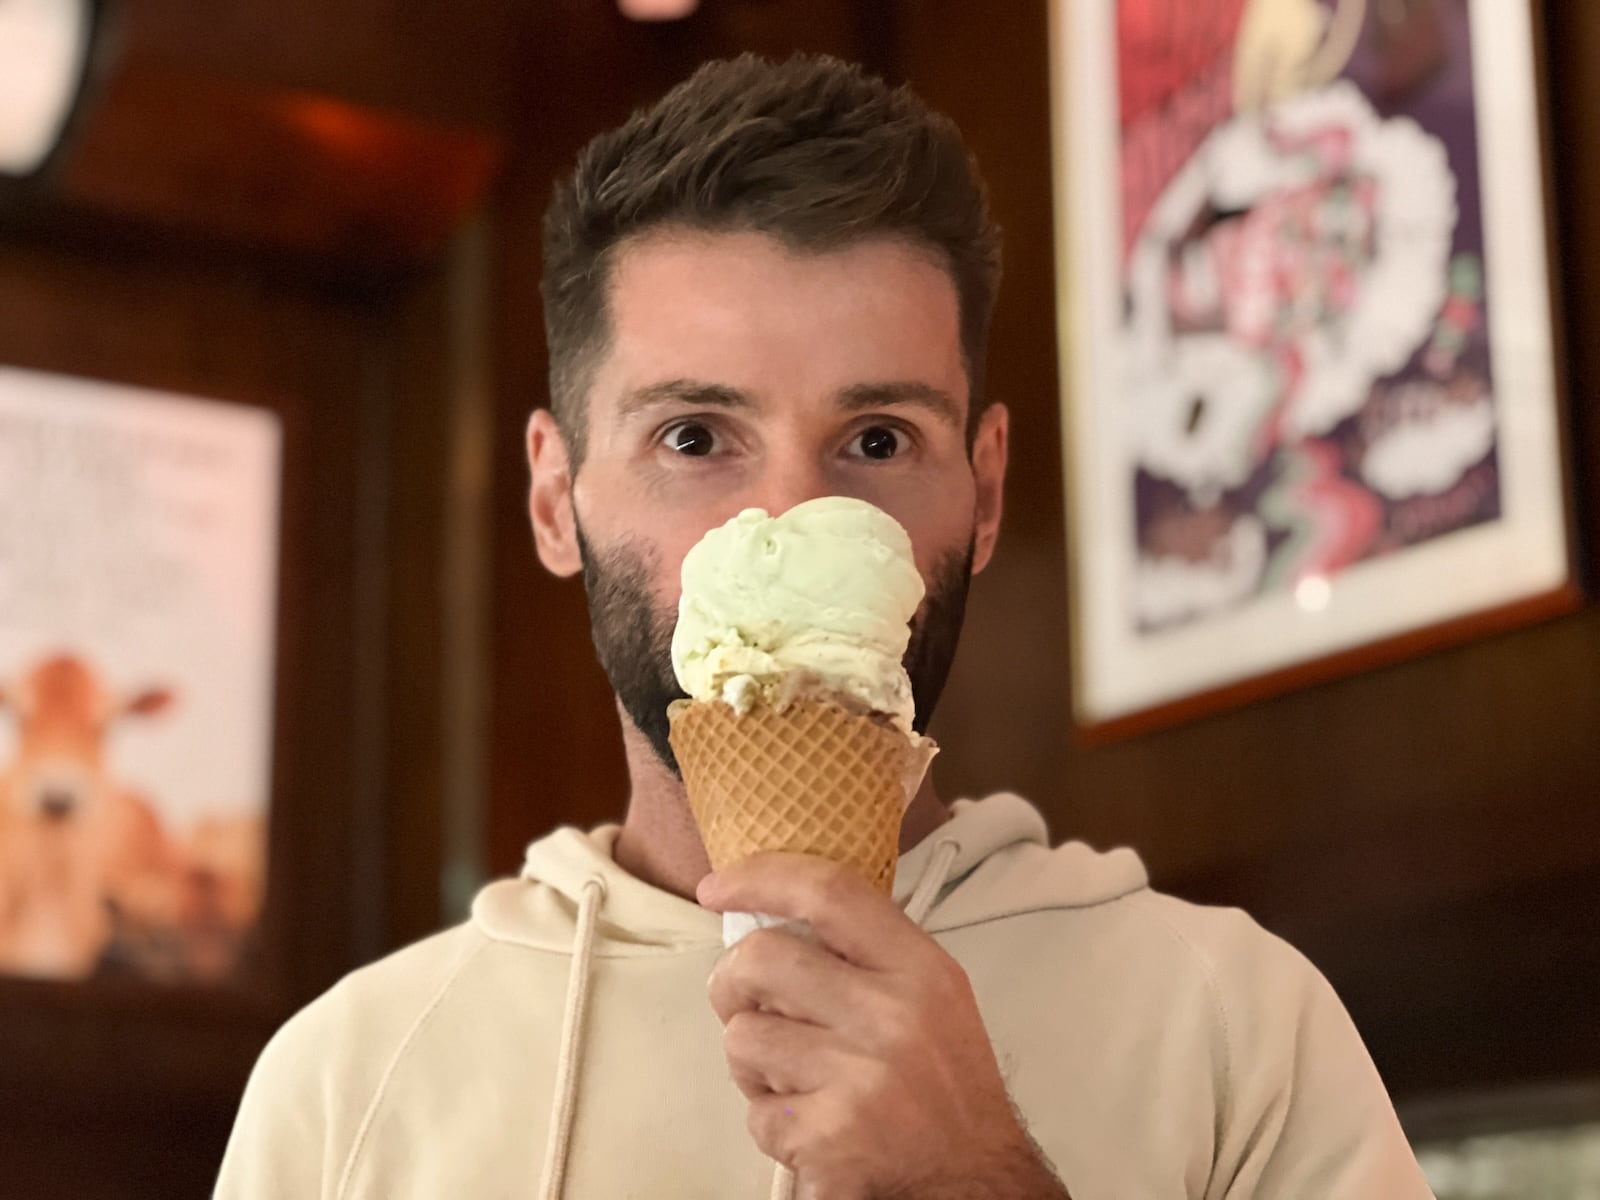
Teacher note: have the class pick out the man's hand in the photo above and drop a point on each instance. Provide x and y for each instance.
(862, 1053)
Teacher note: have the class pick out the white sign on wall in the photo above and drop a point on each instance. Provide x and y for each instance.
(138, 578)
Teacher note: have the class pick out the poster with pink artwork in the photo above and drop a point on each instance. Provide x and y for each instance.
(1309, 399)
(138, 583)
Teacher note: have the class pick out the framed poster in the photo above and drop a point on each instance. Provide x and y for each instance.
(1310, 406)
(138, 561)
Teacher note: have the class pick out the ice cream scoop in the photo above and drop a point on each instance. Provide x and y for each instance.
(824, 591)
(798, 732)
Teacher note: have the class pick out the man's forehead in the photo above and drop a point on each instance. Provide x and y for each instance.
(713, 317)
(676, 266)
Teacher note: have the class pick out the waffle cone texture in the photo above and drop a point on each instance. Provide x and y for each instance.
(812, 778)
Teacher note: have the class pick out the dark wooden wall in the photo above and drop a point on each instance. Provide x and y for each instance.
(1428, 833)
(98, 1058)
(228, 223)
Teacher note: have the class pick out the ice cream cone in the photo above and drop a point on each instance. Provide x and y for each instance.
(813, 777)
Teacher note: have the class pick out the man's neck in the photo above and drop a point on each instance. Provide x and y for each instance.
(660, 844)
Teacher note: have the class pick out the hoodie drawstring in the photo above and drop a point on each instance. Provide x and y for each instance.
(575, 1010)
(931, 883)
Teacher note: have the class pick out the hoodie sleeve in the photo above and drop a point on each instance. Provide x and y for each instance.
(285, 1142)
(321, 1077)
(1304, 1112)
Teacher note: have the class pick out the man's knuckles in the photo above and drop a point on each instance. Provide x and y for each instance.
(751, 1041)
(769, 954)
(774, 1127)
(797, 885)
(754, 970)
(825, 891)
(811, 1135)
(938, 990)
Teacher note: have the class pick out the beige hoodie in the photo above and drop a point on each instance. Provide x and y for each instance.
(1155, 1048)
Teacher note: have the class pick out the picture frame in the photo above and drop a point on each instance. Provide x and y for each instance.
(1311, 409)
(138, 581)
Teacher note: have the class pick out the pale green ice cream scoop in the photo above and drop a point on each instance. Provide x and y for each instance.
(828, 588)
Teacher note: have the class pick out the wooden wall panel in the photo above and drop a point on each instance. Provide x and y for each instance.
(122, 270)
(444, 62)
(122, 1087)
(109, 1058)
(294, 171)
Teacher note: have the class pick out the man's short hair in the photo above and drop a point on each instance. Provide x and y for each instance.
(811, 151)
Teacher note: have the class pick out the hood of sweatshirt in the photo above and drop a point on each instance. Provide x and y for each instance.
(994, 856)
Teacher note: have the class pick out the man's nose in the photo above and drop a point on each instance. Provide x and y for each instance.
(793, 476)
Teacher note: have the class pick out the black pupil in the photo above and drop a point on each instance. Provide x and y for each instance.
(879, 443)
(692, 439)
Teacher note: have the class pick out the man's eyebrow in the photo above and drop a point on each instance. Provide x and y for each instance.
(691, 392)
(865, 396)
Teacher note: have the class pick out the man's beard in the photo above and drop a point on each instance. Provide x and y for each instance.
(634, 641)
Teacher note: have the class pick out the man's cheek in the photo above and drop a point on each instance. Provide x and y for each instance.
(668, 583)
(669, 564)
(932, 554)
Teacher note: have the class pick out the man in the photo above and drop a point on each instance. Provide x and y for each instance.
(776, 285)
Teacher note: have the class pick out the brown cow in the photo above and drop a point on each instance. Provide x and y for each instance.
(71, 838)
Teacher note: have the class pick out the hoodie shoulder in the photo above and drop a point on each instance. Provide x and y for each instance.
(1004, 866)
(1302, 1109)
(318, 1081)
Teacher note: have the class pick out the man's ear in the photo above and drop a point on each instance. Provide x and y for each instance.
(555, 529)
(989, 474)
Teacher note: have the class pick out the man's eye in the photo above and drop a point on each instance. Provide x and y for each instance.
(690, 438)
(877, 442)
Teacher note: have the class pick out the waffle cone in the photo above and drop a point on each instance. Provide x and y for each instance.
(813, 777)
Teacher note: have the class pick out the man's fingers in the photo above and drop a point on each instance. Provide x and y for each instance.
(777, 1125)
(775, 970)
(849, 916)
(769, 1054)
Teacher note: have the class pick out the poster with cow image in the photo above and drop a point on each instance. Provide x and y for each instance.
(138, 563)
(1309, 401)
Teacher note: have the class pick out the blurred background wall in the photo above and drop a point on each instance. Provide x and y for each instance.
(331, 209)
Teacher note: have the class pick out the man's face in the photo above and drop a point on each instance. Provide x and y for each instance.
(741, 375)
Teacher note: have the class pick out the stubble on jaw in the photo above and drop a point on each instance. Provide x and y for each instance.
(633, 637)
